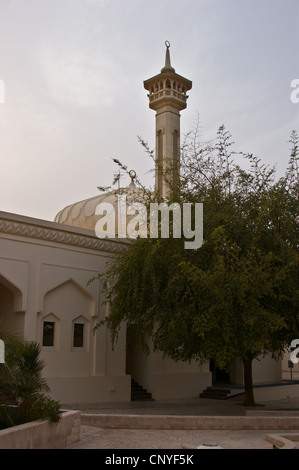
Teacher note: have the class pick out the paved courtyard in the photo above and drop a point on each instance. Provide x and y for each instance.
(106, 438)
(100, 438)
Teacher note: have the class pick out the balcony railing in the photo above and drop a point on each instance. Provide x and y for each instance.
(167, 93)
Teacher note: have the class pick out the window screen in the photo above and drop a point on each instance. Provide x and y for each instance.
(78, 335)
(48, 333)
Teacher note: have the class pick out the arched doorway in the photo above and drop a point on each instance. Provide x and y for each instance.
(11, 316)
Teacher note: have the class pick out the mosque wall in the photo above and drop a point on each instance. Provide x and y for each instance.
(167, 379)
(44, 271)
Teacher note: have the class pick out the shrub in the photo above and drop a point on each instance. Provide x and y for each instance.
(21, 381)
(39, 406)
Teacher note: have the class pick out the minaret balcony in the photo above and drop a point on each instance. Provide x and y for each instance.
(168, 94)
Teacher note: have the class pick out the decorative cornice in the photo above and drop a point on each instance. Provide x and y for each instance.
(60, 234)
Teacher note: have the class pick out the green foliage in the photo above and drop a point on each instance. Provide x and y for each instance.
(21, 379)
(8, 371)
(9, 416)
(21, 374)
(39, 406)
(31, 408)
(28, 363)
(235, 297)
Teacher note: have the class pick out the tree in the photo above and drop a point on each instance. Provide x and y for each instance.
(237, 296)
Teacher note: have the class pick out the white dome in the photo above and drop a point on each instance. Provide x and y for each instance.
(83, 213)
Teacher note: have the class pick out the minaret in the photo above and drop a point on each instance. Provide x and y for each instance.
(167, 96)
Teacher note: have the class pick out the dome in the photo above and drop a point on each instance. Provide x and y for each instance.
(82, 214)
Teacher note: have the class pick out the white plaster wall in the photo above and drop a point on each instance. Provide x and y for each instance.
(12, 320)
(88, 390)
(167, 379)
(264, 371)
(15, 269)
(52, 278)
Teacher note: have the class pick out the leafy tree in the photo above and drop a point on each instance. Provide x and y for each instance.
(237, 296)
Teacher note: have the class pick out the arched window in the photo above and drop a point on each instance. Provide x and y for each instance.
(50, 331)
(80, 333)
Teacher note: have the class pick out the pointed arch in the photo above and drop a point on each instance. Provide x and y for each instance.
(50, 331)
(17, 293)
(65, 306)
(80, 333)
(11, 314)
(72, 284)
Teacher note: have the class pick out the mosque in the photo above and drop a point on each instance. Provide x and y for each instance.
(45, 267)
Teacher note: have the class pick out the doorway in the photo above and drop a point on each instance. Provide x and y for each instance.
(219, 376)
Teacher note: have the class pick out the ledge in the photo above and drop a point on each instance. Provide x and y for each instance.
(43, 434)
(46, 231)
(286, 442)
(191, 422)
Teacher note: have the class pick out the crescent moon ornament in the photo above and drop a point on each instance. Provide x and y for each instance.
(132, 174)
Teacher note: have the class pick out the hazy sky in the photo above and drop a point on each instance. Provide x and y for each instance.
(73, 72)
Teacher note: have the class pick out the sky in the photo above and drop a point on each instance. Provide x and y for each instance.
(73, 72)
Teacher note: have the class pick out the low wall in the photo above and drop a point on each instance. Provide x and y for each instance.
(43, 434)
(191, 422)
(177, 386)
(286, 442)
(279, 392)
(96, 389)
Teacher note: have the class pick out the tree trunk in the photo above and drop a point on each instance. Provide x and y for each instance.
(248, 383)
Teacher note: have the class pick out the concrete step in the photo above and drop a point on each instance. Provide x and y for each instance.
(215, 393)
(202, 422)
(212, 397)
(218, 389)
(138, 393)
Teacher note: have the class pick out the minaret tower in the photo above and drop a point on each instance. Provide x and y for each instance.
(167, 96)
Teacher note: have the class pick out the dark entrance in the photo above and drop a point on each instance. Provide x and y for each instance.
(219, 376)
